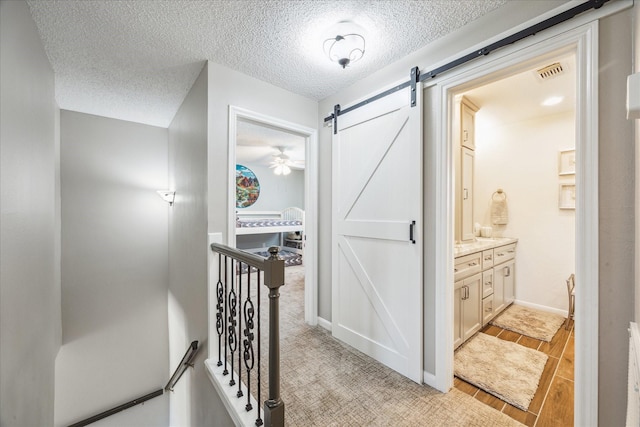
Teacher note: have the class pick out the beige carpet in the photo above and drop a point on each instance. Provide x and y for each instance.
(505, 369)
(326, 383)
(530, 322)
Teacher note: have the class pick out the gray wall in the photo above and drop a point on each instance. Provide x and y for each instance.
(194, 401)
(636, 53)
(30, 325)
(617, 205)
(114, 270)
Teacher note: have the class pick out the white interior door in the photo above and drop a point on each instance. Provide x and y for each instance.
(377, 270)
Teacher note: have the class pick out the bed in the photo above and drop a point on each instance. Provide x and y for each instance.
(289, 223)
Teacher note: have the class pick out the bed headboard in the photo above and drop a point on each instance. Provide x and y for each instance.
(293, 213)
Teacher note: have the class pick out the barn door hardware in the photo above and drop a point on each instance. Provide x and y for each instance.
(419, 77)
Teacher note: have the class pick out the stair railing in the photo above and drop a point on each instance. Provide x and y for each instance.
(238, 327)
(177, 374)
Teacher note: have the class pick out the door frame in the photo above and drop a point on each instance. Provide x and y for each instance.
(583, 41)
(310, 197)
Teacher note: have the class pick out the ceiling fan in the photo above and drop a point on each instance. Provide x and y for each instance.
(282, 163)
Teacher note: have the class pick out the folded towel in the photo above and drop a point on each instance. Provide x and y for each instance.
(499, 211)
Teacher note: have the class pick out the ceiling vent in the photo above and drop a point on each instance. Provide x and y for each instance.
(550, 71)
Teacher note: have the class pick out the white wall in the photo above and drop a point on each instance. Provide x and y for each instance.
(277, 192)
(194, 401)
(522, 159)
(114, 270)
(30, 324)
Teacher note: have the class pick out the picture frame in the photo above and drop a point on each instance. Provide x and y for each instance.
(567, 162)
(567, 196)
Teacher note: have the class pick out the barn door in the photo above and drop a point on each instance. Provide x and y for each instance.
(377, 248)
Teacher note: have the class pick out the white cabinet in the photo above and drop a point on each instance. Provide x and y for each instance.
(467, 123)
(464, 158)
(466, 214)
(484, 286)
(468, 308)
(504, 277)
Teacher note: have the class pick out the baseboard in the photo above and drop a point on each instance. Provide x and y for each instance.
(562, 313)
(324, 323)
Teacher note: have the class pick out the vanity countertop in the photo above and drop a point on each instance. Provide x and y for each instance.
(481, 244)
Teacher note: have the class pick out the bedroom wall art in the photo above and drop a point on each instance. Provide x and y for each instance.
(247, 187)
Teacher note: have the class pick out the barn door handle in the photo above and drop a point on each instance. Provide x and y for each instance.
(411, 228)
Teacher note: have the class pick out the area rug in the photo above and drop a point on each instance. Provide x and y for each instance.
(530, 322)
(502, 368)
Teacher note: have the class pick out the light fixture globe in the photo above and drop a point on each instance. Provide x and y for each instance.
(345, 49)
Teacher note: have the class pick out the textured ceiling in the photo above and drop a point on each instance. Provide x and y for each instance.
(136, 60)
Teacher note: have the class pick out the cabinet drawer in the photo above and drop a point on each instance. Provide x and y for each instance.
(487, 259)
(467, 265)
(487, 283)
(504, 253)
(487, 309)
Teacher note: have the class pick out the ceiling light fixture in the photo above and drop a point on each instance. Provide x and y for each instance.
(344, 48)
(282, 170)
(553, 100)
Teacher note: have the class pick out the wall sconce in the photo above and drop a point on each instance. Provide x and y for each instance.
(167, 196)
(344, 49)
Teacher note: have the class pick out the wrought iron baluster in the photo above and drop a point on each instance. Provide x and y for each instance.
(239, 393)
(259, 397)
(219, 308)
(232, 322)
(226, 307)
(248, 340)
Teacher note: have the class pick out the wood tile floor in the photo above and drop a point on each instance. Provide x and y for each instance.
(552, 405)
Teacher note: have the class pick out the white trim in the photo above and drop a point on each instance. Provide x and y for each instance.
(428, 378)
(310, 198)
(587, 237)
(235, 407)
(324, 323)
(211, 294)
(561, 39)
(540, 307)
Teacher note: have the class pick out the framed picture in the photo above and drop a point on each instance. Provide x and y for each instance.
(247, 187)
(567, 162)
(567, 196)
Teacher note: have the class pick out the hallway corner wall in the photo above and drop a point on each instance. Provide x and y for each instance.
(194, 400)
(30, 310)
(114, 270)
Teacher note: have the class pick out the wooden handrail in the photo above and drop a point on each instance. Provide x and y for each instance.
(183, 365)
(117, 409)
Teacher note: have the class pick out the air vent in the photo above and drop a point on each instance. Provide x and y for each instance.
(550, 71)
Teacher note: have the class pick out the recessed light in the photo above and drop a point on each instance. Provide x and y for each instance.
(553, 100)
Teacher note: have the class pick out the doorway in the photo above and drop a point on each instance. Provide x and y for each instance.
(582, 42)
(522, 157)
(284, 154)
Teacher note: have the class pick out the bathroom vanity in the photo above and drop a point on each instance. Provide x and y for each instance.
(484, 283)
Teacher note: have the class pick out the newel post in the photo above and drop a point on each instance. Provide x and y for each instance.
(274, 279)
